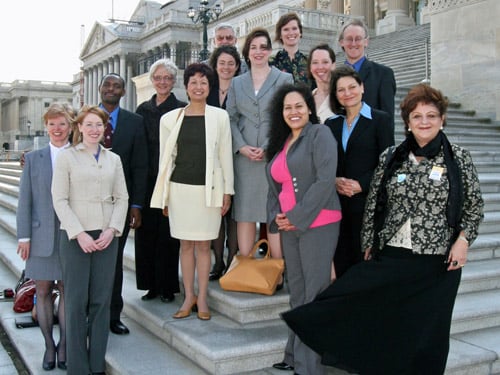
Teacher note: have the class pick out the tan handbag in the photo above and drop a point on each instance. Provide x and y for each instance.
(253, 275)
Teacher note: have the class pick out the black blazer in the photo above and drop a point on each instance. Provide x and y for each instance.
(129, 142)
(367, 141)
(380, 87)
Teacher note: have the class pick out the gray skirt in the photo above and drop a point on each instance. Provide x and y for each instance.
(45, 268)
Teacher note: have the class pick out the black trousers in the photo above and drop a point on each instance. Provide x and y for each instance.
(156, 254)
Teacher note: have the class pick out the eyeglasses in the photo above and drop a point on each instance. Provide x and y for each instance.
(163, 78)
(227, 37)
(358, 39)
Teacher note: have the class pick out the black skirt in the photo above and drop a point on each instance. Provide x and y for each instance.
(386, 316)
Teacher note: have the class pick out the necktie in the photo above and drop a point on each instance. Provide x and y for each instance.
(108, 135)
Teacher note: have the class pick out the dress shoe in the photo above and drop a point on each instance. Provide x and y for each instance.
(60, 364)
(48, 365)
(283, 366)
(216, 273)
(204, 315)
(118, 327)
(149, 296)
(167, 297)
(181, 314)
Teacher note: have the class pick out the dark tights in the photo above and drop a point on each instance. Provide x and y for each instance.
(227, 225)
(45, 317)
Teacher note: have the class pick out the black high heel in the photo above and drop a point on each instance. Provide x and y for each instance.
(280, 285)
(60, 364)
(48, 365)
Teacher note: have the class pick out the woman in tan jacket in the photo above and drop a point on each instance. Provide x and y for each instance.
(91, 200)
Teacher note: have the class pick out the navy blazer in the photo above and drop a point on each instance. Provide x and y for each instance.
(312, 162)
(380, 86)
(367, 141)
(36, 218)
(129, 142)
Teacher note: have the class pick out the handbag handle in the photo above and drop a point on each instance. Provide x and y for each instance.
(258, 245)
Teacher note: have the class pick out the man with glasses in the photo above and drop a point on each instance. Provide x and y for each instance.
(378, 80)
(224, 35)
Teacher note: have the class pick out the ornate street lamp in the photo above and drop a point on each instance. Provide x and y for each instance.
(204, 14)
(28, 126)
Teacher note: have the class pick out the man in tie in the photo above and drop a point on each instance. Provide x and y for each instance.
(378, 80)
(128, 140)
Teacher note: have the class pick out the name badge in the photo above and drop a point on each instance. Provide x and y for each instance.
(436, 173)
(401, 177)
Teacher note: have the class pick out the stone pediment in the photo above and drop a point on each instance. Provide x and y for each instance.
(102, 34)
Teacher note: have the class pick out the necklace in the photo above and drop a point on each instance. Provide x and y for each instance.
(223, 92)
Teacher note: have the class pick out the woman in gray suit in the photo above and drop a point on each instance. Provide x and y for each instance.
(303, 205)
(91, 200)
(247, 104)
(38, 231)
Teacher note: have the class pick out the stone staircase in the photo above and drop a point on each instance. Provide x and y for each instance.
(246, 334)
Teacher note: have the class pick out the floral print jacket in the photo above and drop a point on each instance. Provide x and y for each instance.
(413, 194)
(297, 67)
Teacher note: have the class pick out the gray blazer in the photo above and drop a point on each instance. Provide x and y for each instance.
(248, 113)
(312, 161)
(36, 218)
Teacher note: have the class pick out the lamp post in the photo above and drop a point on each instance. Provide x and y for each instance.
(28, 125)
(204, 14)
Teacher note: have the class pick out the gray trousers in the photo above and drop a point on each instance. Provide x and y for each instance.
(88, 283)
(308, 257)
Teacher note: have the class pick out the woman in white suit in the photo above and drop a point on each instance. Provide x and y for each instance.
(247, 104)
(38, 231)
(197, 192)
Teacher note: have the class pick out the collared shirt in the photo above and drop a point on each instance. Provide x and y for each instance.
(54, 151)
(113, 116)
(297, 67)
(366, 111)
(357, 65)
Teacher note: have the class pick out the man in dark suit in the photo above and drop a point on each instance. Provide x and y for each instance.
(129, 142)
(378, 80)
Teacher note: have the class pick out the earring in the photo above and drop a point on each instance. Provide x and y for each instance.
(409, 130)
(441, 128)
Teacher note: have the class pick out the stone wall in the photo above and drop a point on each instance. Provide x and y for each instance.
(465, 55)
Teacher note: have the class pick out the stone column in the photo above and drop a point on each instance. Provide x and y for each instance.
(131, 104)
(337, 6)
(95, 86)
(365, 9)
(123, 73)
(397, 17)
(86, 86)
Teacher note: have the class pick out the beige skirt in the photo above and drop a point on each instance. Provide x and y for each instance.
(190, 218)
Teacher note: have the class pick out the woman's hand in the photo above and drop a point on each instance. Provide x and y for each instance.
(347, 186)
(458, 254)
(105, 238)
(283, 222)
(252, 153)
(226, 204)
(165, 211)
(23, 249)
(86, 242)
(368, 254)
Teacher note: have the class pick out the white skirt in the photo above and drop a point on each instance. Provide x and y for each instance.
(190, 218)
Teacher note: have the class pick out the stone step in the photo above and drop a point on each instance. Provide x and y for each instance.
(491, 201)
(491, 223)
(10, 171)
(490, 182)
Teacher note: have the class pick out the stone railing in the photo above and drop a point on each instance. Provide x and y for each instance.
(436, 6)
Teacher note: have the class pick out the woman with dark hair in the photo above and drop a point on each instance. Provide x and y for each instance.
(289, 59)
(320, 64)
(225, 61)
(247, 105)
(362, 133)
(302, 204)
(195, 182)
(392, 313)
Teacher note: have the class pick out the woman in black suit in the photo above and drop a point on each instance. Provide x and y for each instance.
(362, 133)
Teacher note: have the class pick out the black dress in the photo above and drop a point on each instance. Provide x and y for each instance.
(389, 316)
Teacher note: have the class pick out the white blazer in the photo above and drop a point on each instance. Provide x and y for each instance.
(219, 157)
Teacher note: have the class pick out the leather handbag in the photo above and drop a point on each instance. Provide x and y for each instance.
(253, 275)
(23, 301)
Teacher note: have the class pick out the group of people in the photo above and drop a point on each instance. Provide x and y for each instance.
(289, 147)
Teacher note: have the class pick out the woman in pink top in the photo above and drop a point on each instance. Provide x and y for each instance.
(302, 204)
